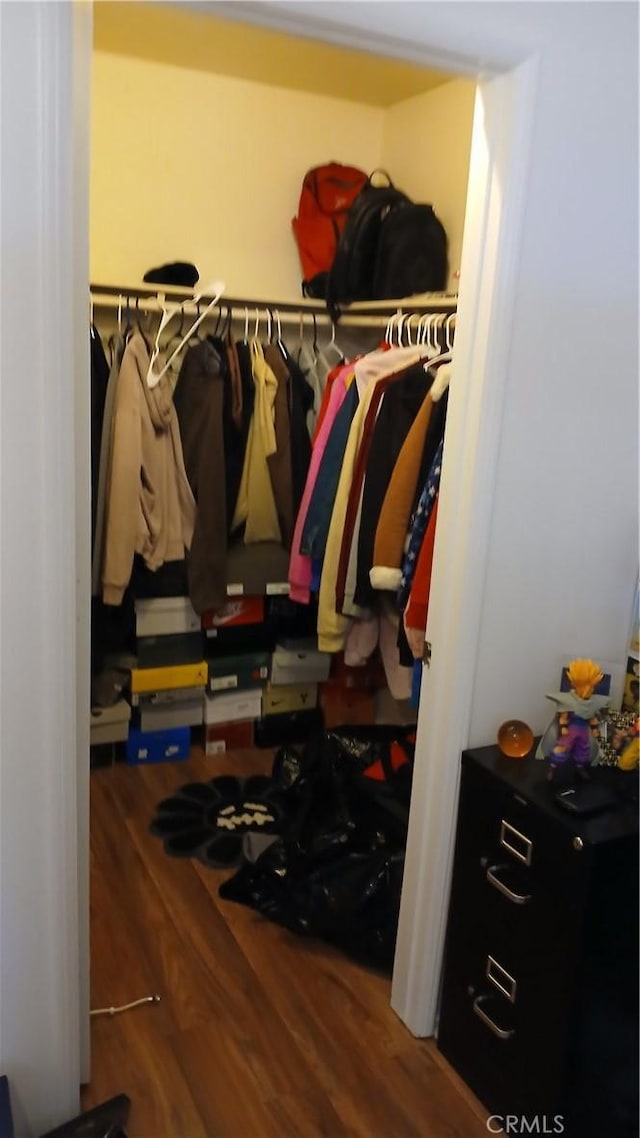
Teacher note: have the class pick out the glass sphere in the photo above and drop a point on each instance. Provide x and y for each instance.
(515, 739)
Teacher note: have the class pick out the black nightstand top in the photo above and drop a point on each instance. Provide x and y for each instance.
(528, 779)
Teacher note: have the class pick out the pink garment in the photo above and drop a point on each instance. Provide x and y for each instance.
(300, 568)
(363, 638)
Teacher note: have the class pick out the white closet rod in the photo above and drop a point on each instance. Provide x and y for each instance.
(365, 314)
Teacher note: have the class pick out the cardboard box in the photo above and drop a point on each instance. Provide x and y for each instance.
(174, 648)
(229, 707)
(168, 697)
(223, 737)
(278, 698)
(239, 640)
(159, 679)
(292, 664)
(368, 677)
(292, 727)
(182, 713)
(165, 615)
(229, 672)
(238, 611)
(159, 746)
(109, 724)
(346, 707)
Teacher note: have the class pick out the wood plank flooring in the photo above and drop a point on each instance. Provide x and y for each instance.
(259, 1034)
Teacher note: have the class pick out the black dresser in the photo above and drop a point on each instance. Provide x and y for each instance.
(539, 1002)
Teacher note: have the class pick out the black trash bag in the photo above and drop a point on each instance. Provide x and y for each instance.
(336, 870)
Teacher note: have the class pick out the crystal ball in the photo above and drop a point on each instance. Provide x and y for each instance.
(515, 738)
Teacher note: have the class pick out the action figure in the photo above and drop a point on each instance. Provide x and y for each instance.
(573, 735)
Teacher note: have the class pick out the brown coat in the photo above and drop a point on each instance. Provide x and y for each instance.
(150, 508)
(199, 399)
(280, 463)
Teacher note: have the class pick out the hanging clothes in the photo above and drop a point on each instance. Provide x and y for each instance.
(116, 346)
(150, 506)
(347, 562)
(279, 462)
(316, 526)
(235, 458)
(300, 568)
(333, 626)
(404, 488)
(99, 384)
(256, 506)
(418, 527)
(402, 402)
(417, 610)
(199, 402)
(301, 401)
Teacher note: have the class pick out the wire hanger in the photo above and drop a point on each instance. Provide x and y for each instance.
(217, 288)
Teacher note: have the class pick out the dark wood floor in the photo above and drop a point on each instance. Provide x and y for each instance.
(259, 1034)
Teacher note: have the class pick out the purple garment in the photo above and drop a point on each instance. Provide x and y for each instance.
(574, 742)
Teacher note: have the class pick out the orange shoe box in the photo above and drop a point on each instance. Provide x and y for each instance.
(222, 737)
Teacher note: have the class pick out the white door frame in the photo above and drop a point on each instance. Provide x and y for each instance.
(44, 515)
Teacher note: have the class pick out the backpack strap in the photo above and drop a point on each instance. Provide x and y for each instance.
(379, 170)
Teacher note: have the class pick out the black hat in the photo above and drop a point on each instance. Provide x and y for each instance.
(176, 273)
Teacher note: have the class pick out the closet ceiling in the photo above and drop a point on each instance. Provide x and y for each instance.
(201, 40)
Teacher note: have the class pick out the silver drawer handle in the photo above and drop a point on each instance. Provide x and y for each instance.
(501, 979)
(517, 898)
(480, 1012)
(507, 835)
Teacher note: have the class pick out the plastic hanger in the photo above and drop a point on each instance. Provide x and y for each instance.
(333, 344)
(177, 337)
(153, 379)
(441, 382)
(120, 314)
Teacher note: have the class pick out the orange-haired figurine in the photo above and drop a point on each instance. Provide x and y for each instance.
(575, 731)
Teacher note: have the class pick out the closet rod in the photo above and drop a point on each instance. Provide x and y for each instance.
(373, 311)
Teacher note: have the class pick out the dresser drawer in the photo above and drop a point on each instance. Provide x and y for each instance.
(515, 874)
(511, 1053)
(539, 987)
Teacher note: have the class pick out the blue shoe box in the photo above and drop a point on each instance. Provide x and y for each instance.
(166, 746)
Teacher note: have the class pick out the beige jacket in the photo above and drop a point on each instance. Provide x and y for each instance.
(256, 506)
(150, 507)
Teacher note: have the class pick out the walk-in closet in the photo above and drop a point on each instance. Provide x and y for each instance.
(253, 814)
(230, 655)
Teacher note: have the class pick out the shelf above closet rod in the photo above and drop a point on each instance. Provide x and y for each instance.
(363, 312)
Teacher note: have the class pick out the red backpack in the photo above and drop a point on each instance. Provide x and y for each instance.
(327, 194)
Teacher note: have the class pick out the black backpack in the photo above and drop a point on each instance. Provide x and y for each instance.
(389, 248)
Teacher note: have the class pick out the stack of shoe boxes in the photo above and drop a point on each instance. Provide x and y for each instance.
(168, 685)
(249, 675)
(290, 703)
(349, 696)
(238, 647)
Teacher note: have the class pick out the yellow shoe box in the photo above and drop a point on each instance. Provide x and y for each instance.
(176, 676)
(279, 698)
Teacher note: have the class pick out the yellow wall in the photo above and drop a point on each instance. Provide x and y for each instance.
(189, 165)
(193, 166)
(426, 148)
